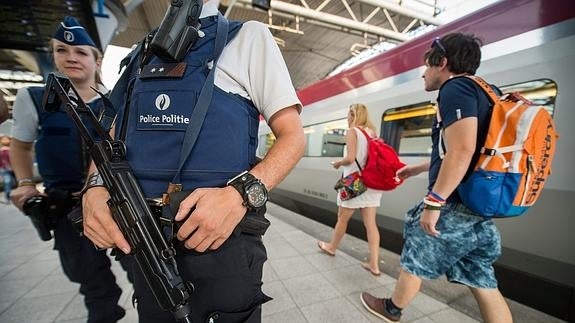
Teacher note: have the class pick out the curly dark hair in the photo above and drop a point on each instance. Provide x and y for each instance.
(463, 52)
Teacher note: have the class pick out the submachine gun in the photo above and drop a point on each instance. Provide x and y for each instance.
(127, 202)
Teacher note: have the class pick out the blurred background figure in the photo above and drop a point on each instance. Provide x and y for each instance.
(5, 168)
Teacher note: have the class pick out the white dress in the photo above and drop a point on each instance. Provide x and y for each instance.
(371, 197)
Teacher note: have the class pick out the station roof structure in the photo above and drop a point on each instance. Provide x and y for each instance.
(314, 36)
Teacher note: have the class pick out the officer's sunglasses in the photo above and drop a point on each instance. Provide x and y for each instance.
(439, 45)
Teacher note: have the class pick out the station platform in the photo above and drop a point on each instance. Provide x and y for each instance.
(307, 285)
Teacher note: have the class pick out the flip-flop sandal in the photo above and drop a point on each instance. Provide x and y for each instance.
(366, 267)
(321, 246)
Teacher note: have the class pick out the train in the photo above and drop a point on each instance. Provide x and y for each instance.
(529, 47)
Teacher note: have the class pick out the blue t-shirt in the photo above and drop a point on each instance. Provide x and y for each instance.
(459, 98)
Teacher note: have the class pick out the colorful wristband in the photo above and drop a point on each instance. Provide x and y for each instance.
(430, 202)
(432, 208)
(436, 196)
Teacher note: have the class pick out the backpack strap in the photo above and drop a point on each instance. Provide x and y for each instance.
(360, 168)
(494, 151)
(442, 149)
(493, 97)
(368, 139)
(367, 136)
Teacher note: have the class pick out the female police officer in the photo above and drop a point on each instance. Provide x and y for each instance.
(62, 167)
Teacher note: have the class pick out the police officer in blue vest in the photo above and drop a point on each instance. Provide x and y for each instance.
(245, 79)
(63, 165)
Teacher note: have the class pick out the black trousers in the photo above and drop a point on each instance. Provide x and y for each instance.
(90, 268)
(227, 283)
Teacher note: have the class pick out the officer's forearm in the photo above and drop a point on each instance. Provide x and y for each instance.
(21, 159)
(285, 152)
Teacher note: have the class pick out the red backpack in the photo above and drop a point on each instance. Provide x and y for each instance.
(381, 166)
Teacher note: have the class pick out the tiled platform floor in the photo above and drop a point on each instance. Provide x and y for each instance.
(307, 286)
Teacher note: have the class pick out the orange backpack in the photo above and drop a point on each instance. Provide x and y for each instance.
(515, 159)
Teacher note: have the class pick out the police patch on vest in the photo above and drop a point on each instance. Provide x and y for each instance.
(164, 110)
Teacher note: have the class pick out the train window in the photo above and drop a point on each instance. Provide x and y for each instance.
(540, 92)
(408, 128)
(325, 139)
(322, 140)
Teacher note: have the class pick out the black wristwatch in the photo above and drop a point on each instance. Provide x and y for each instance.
(252, 190)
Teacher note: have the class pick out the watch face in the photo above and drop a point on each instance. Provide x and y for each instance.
(257, 195)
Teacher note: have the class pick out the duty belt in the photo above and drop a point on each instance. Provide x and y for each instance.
(46, 211)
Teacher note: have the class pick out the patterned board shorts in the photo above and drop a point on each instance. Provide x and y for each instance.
(464, 251)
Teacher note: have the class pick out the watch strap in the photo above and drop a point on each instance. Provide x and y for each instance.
(235, 178)
(241, 182)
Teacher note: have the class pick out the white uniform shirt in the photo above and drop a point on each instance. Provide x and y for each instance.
(252, 66)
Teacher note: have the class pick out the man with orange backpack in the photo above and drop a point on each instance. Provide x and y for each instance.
(442, 236)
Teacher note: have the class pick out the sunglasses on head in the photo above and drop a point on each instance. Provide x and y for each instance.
(439, 45)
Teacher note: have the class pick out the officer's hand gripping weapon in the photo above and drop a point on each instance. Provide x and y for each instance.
(127, 202)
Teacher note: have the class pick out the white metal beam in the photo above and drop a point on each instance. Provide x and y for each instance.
(333, 19)
(402, 10)
(317, 23)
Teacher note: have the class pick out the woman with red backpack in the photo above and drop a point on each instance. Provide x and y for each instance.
(367, 202)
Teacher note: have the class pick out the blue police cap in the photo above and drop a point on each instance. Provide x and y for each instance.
(72, 33)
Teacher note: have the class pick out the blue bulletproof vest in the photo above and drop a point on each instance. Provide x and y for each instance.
(159, 110)
(61, 160)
